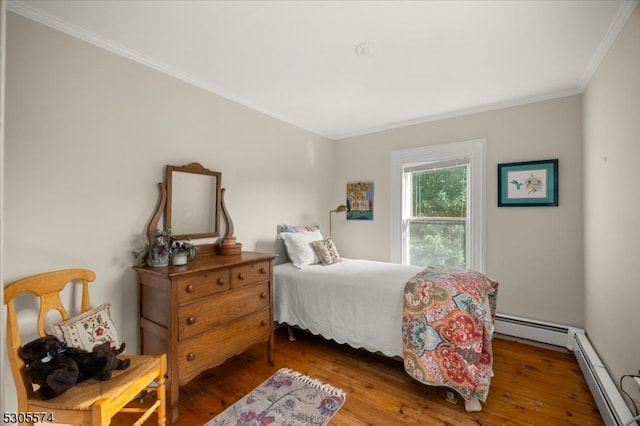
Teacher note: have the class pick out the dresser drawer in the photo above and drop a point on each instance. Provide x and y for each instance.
(205, 314)
(203, 284)
(213, 348)
(249, 274)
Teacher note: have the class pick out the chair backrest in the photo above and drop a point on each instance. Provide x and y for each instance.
(46, 287)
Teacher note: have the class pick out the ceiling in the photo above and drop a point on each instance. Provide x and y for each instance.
(297, 60)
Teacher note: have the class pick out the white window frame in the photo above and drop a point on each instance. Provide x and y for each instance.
(475, 150)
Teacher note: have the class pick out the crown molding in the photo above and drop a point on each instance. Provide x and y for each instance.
(625, 11)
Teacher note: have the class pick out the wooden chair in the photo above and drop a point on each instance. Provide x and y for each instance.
(91, 402)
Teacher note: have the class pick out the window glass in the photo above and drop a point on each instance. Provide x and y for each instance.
(437, 213)
(438, 199)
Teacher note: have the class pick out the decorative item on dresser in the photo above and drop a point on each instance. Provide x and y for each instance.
(229, 246)
(213, 306)
(163, 248)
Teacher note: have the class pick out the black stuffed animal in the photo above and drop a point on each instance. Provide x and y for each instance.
(56, 368)
(112, 361)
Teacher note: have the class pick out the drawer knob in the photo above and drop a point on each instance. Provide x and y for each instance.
(220, 281)
(190, 288)
(191, 320)
(263, 295)
(263, 322)
(191, 356)
(263, 270)
(242, 275)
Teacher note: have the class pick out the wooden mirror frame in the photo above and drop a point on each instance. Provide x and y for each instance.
(194, 168)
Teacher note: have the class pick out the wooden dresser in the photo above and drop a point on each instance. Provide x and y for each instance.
(205, 312)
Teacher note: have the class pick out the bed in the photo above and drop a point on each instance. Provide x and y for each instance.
(438, 320)
(358, 302)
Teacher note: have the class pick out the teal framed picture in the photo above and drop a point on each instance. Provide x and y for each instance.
(528, 183)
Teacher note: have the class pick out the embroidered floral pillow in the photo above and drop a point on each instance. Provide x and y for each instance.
(327, 251)
(88, 329)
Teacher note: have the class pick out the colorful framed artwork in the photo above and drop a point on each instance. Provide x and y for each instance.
(360, 201)
(528, 183)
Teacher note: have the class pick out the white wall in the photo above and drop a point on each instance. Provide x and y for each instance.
(534, 252)
(612, 205)
(88, 135)
(3, 16)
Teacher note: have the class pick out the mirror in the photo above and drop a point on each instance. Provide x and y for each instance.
(193, 201)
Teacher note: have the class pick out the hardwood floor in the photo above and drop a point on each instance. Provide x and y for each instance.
(533, 385)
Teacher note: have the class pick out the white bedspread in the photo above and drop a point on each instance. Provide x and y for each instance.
(358, 302)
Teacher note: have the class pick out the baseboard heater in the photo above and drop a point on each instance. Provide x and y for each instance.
(612, 407)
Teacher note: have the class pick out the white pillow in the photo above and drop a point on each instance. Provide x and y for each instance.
(299, 248)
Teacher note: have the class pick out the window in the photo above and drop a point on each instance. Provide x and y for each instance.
(435, 218)
(438, 205)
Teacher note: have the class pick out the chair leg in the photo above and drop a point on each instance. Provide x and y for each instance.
(98, 415)
(162, 397)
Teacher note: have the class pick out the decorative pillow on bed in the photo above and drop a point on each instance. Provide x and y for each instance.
(88, 329)
(299, 249)
(300, 228)
(326, 251)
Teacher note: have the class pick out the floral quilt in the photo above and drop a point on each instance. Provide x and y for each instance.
(447, 327)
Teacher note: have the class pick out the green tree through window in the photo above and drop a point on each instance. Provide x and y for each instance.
(438, 204)
(437, 223)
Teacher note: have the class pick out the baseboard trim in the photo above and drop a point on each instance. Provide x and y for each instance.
(538, 331)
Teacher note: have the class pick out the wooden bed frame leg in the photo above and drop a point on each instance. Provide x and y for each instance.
(270, 352)
(292, 338)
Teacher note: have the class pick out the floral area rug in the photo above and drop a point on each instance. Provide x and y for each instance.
(286, 398)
